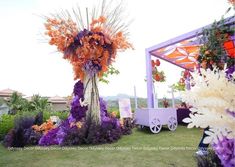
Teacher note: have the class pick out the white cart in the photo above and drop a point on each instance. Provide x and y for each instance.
(156, 118)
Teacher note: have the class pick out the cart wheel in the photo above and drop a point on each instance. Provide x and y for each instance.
(172, 123)
(155, 125)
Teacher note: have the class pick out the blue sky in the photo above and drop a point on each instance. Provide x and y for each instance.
(30, 66)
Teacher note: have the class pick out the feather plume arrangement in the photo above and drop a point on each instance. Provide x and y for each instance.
(213, 101)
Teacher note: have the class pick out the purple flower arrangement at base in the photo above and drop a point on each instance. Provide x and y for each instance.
(22, 133)
(49, 138)
(225, 150)
(55, 136)
(76, 130)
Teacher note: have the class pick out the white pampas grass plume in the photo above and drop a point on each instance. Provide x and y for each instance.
(212, 97)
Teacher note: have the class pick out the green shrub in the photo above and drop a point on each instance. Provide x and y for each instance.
(114, 109)
(26, 114)
(118, 114)
(6, 123)
(61, 115)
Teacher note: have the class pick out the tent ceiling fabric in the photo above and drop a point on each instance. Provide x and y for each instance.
(183, 54)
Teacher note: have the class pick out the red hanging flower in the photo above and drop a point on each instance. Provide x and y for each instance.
(157, 77)
(182, 80)
(230, 48)
(186, 74)
(153, 63)
(157, 62)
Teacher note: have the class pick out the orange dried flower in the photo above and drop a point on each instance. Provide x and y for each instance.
(102, 19)
(61, 32)
(45, 127)
(79, 124)
(114, 114)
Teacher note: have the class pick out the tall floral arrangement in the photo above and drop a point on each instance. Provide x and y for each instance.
(90, 47)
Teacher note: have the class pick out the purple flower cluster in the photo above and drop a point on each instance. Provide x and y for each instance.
(62, 132)
(77, 111)
(231, 113)
(105, 117)
(77, 43)
(86, 33)
(55, 136)
(229, 72)
(78, 89)
(109, 130)
(74, 136)
(92, 68)
(103, 108)
(49, 138)
(225, 149)
(9, 138)
(22, 133)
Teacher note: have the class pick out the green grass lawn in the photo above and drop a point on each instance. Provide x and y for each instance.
(142, 148)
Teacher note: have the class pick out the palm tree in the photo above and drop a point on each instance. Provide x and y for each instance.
(2, 101)
(39, 103)
(17, 103)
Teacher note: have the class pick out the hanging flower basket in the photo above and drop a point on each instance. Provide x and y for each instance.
(157, 76)
(180, 85)
(218, 46)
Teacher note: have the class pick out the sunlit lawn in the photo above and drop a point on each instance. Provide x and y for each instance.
(142, 148)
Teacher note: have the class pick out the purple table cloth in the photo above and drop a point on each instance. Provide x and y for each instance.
(181, 114)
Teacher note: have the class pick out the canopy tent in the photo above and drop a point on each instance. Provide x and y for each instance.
(183, 54)
(181, 51)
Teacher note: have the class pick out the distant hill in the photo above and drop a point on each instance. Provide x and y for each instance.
(112, 102)
(118, 96)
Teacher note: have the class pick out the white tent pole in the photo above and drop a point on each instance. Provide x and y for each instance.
(136, 104)
(155, 101)
(173, 97)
